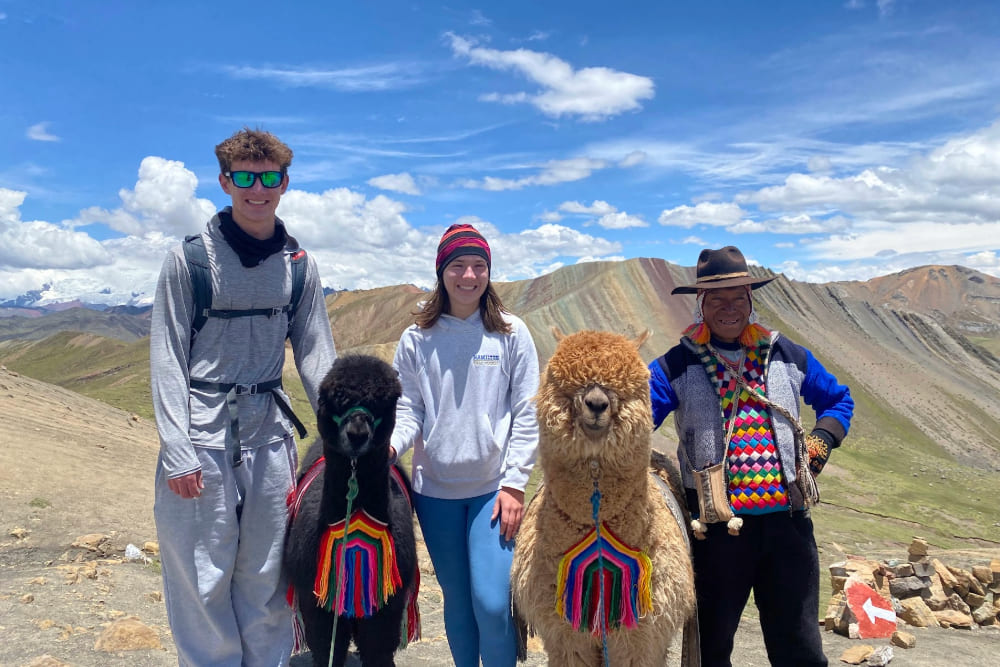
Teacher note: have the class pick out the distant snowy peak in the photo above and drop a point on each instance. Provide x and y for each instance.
(49, 300)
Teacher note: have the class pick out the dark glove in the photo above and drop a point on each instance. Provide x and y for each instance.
(819, 443)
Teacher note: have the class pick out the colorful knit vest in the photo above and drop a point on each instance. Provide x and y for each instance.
(756, 483)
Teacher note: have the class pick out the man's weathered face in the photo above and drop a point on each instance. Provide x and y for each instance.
(727, 311)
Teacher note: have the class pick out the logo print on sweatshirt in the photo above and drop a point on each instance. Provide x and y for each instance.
(486, 360)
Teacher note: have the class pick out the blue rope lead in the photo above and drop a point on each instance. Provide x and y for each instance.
(352, 493)
(595, 503)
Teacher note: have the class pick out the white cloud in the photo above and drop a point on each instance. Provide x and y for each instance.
(819, 163)
(403, 183)
(533, 252)
(872, 239)
(553, 172)
(40, 132)
(704, 213)
(940, 206)
(633, 158)
(163, 199)
(621, 220)
(792, 224)
(604, 214)
(387, 76)
(957, 183)
(592, 93)
(41, 245)
(598, 207)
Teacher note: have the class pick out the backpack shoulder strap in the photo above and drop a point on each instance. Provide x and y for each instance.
(298, 260)
(201, 280)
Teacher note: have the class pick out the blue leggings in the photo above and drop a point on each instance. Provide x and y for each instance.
(472, 563)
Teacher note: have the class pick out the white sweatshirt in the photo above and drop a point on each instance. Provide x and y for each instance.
(468, 406)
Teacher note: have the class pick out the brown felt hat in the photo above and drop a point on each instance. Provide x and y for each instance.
(725, 267)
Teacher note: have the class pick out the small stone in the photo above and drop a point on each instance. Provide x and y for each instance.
(900, 570)
(983, 574)
(46, 661)
(916, 613)
(985, 615)
(949, 618)
(856, 654)
(27, 598)
(90, 542)
(906, 587)
(127, 634)
(903, 639)
(880, 657)
(918, 548)
(944, 573)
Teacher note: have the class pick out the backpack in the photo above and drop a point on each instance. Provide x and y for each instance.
(201, 283)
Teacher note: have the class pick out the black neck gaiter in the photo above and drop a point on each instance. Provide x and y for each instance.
(251, 251)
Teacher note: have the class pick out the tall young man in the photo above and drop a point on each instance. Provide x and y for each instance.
(227, 452)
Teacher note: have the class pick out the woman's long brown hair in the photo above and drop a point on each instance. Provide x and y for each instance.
(491, 310)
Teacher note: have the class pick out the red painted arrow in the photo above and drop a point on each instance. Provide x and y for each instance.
(876, 617)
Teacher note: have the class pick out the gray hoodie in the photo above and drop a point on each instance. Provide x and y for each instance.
(467, 407)
(244, 349)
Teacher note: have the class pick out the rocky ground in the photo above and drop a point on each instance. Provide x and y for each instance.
(76, 490)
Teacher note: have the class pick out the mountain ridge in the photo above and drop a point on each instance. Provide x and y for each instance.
(919, 346)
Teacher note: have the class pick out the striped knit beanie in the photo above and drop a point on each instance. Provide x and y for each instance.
(461, 240)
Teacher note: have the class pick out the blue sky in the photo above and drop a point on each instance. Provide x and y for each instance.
(828, 140)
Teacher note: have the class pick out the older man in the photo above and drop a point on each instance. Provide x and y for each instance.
(734, 388)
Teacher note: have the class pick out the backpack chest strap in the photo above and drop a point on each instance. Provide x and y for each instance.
(234, 389)
(249, 312)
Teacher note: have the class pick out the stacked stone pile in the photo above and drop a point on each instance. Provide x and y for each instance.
(924, 591)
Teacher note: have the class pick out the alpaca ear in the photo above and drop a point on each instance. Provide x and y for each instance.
(557, 334)
(641, 338)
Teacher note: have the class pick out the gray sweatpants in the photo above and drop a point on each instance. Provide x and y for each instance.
(221, 558)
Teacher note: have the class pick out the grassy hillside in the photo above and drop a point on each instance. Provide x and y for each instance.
(107, 369)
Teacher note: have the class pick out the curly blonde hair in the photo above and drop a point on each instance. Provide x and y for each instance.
(253, 146)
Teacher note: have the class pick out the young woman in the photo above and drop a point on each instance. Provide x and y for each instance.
(469, 372)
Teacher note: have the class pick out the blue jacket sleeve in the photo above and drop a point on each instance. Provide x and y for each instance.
(661, 393)
(829, 398)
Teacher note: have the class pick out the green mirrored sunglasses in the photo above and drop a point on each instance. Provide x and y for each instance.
(246, 179)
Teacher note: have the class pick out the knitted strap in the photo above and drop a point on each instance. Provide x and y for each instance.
(803, 474)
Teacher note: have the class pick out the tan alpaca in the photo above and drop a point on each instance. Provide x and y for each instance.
(595, 422)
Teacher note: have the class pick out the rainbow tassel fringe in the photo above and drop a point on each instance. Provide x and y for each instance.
(626, 575)
(370, 571)
(752, 335)
(410, 632)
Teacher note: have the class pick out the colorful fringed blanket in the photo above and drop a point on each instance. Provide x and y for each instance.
(626, 583)
(366, 559)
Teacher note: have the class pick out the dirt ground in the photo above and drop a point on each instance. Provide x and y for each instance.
(71, 467)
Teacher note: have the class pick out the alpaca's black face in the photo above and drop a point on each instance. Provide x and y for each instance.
(356, 410)
(355, 432)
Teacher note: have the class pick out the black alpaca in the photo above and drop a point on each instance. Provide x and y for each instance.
(356, 415)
